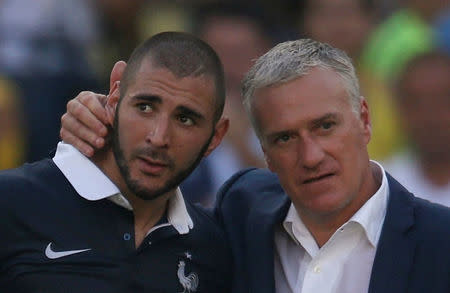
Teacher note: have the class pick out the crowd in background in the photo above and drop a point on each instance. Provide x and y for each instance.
(50, 50)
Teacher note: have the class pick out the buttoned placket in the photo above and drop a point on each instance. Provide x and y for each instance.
(321, 270)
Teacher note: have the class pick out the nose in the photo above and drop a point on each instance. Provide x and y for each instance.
(311, 153)
(158, 134)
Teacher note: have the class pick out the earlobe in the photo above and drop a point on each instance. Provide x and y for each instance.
(219, 132)
(111, 105)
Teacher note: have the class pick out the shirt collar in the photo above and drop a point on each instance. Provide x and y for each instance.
(92, 184)
(370, 216)
(293, 221)
(297, 230)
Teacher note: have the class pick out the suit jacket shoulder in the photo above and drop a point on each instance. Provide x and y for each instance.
(413, 253)
(249, 187)
(433, 219)
(249, 205)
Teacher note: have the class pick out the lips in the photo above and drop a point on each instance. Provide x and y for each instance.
(314, 179)
(151, 166)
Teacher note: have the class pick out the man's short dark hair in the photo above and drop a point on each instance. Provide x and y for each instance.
(182, 54)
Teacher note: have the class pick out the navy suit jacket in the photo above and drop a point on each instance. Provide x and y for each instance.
(413, 253)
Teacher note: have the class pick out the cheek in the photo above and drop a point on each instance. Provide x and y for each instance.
(184, 141)
(334, 146)
(351, 139)
(353, 157)
(281, 161)
(187, 144)
(131, 134)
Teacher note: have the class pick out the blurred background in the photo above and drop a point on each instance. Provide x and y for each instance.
(50, 50)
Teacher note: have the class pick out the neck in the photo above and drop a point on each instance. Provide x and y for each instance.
(323, 226)
(146, 212)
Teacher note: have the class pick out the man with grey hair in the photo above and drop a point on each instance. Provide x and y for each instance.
(293, 59)
(331, 220)
(328, 219)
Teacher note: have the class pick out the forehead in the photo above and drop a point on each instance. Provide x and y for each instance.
(319, 92)
(196, 91)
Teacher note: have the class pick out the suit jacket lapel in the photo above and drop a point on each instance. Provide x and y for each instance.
(263, 218)
(395, 251)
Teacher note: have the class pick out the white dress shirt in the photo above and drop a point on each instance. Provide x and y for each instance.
(343, 264)
(92, 184)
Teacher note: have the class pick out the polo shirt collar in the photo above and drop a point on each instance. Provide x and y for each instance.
(92, 184)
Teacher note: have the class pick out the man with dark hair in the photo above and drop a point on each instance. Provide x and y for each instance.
(183, 57)
(118, 222)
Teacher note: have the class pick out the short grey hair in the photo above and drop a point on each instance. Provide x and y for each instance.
(293, 59)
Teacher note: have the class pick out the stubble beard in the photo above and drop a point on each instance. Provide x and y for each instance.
(133, 185)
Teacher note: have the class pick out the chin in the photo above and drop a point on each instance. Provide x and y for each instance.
(146, 191)
(326, 204)
(149, 196)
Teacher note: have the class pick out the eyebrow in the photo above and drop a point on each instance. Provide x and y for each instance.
(148, 98)
(182, 109)
(315, 122)
(189, 112)
(321, 119)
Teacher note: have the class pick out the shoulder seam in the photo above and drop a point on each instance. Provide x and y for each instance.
(224, 190)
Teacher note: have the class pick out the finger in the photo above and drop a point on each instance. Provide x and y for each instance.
(83, 115)
(70, 125)
(80, 145)
(95, 103)
(103, 99)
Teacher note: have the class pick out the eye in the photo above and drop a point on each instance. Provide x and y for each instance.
(186, 120)
(283, 138)
(146, 108)
(327, 125)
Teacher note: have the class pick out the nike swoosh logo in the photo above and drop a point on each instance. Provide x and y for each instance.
(58, 254)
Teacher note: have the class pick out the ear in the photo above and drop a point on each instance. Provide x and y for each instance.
(365, 119)
(220, 130)
(114, 90)
(116, 74)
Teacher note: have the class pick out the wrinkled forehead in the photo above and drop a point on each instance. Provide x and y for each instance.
(320, 88)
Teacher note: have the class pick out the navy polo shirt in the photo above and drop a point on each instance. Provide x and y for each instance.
(54, 240)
